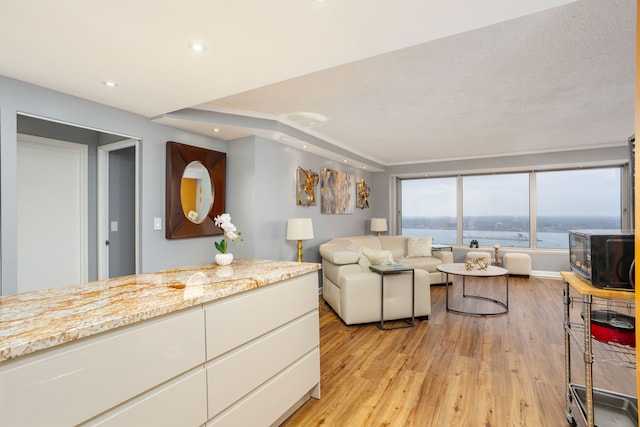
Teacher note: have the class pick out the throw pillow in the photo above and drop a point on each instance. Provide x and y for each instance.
(364, 261)
(377, 256)
(419, 246)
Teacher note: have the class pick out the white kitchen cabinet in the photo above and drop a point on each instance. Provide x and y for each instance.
(71, 383)
(181, 402)
(247, 359)
(258, 341)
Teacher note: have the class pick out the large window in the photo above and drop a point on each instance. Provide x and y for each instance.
(576, 199)
(429, 208)
(495, 209)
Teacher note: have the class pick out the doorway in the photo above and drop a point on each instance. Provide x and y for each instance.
(118, 209)
(92, 139)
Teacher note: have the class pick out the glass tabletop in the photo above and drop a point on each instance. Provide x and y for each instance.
(386, 268)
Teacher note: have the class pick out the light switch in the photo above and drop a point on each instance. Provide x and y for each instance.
(157, 223)
(114, 225)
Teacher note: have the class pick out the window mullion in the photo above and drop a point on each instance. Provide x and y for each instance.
(459, 209)
(533, 209)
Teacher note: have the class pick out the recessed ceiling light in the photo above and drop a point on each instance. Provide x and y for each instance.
(197, 47)
(110, 83)
(216, 129)
(345, 160)
(304, 146)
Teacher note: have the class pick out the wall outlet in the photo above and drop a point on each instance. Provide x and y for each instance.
(157, 223)
(114, 225)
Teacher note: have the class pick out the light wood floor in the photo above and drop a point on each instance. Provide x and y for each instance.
(453, 370)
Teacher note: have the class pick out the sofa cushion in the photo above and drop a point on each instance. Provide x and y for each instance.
(378, 256)
(419, 246)
(396, 244)
(371, 242)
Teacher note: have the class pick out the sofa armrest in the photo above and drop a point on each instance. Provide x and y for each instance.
(339, 254)
(445, 256)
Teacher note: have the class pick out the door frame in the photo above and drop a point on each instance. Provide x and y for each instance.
(103, 203)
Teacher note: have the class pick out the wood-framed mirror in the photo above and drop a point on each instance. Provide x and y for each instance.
(195, 190)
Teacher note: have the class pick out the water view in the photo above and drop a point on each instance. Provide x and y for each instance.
(505, 231)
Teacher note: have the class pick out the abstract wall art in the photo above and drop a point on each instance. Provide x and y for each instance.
(338, 192)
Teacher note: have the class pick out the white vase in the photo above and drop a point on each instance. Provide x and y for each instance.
(224, 259)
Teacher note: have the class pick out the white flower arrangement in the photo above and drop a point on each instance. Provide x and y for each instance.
(224, 222)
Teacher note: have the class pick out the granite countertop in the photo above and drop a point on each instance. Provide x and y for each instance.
(37, 320)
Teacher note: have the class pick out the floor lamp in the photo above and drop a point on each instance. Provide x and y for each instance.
(299, 229)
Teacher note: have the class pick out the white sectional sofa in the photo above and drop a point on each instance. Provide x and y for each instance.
(353, 291)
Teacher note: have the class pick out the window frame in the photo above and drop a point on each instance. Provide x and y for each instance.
(625, 199)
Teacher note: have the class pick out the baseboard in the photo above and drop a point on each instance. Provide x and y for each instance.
(546, 274)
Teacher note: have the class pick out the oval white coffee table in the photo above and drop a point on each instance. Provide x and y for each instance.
(458, 269)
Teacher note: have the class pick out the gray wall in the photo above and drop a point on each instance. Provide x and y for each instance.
(156, 252)
(261, 177)
(264, 173)
(261, 184)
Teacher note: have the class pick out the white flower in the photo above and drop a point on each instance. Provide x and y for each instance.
(228, 227)
(230, 231)
(221, 220)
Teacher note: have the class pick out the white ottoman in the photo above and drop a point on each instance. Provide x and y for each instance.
(517, 264)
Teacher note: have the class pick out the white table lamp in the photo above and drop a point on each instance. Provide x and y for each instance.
(378, 225)
(299, 229)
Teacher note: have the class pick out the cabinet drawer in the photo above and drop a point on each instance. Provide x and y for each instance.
(239, 319)
(182, 402)
(74, 382)
(239, 372)
(274, 398)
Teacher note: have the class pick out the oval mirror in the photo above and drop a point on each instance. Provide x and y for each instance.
(196, 193)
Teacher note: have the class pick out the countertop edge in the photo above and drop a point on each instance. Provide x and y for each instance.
(16, 343)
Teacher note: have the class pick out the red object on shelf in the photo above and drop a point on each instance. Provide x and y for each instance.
(612, 327)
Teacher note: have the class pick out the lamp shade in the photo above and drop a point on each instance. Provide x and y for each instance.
(299, 229)
(378, 224)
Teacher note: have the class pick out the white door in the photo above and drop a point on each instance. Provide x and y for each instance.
(52, 213)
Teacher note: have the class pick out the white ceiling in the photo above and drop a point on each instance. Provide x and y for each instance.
(377, 82)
